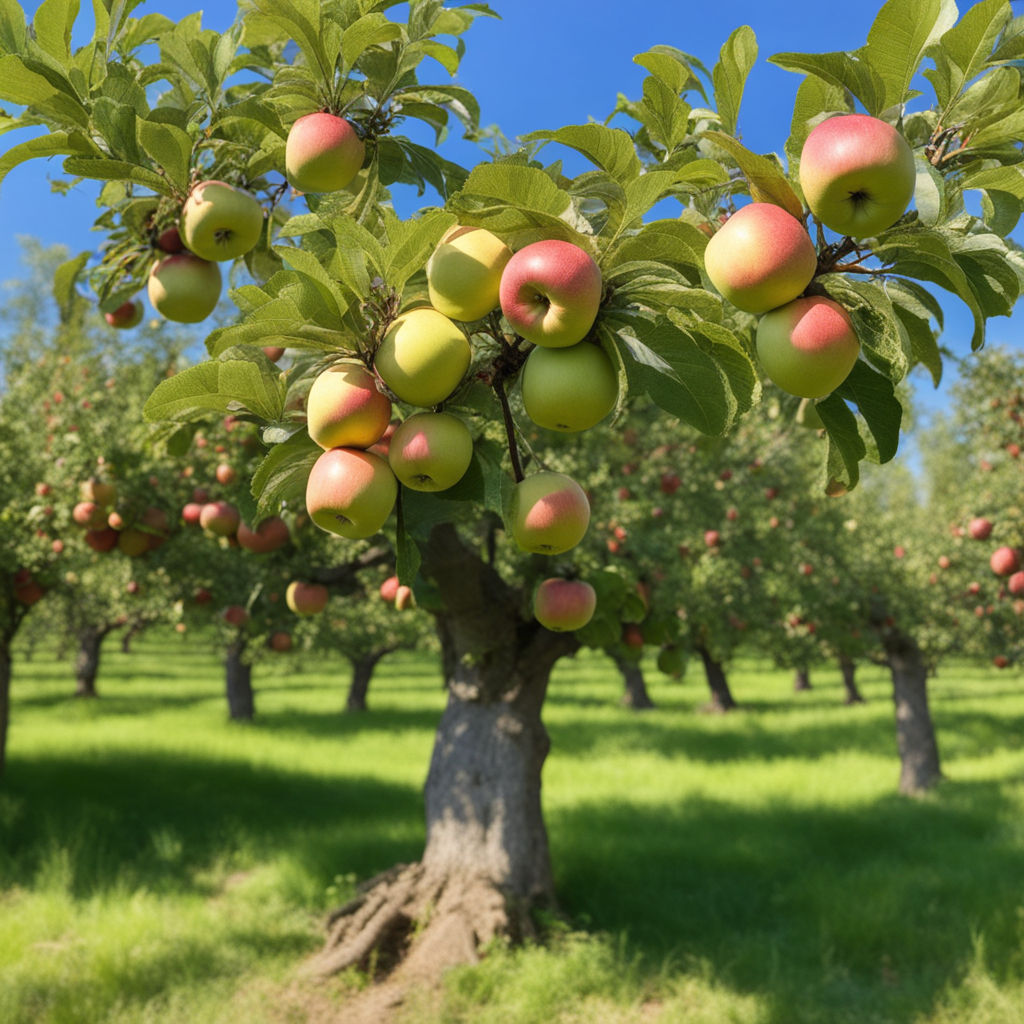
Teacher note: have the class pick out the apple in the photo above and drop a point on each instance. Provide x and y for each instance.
(672, 661)
(1016, 583)
(633, 636)
(235, 615)
(807, 415)
(129, 314)
(550, 293)
(388, 589)
(464, 273)
(404, 598)
(132, 586)
(225, 474)
(89, 514)
(306, 598)
(323, 153)
(857, 174)
(202, 596)
(28, 591)
(569, 389)
(549, 513)
(1001, 661)
(43, 489)
(761, 258)
(220, 222)
(1004, 561)
(807, 347)
(712, 538)
(423, 357)
(980, 528)
(191, 512)
(280, 641)
(430, 451)
(350, 492)
(273, 352)
(184, 288)
(383, 446)
(133, 542)
(169, 240)
(344, 408)
(99, 491)
(220, 518)
(564, 605)
(102, 539)
(944, 562)
(270, 535)
(200, 495)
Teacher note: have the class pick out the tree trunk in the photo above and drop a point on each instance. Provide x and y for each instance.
(802, 679)
(848, 670)
(919, 751)
(635, 695)
(486, 863)
(238, 678)
(721, 696)
(87, 661)
(5, 700)
(362, 673)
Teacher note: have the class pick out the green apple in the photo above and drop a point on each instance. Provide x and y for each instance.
(184, 288)
(550, 293)
(350, 492)
(857, 174)
(431, 451)
(549, 514)
(323, 153)
(564, 605)
(128, 314)
(344, 409)
(220, 222)
(760, 258)
(569, 389)
(808, 347)
(306, 598)
(423, 357)
(464, 273)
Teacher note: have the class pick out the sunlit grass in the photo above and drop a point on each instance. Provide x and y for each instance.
(158, 863)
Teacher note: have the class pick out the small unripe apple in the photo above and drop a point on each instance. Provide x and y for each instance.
(857, 174)
(220, 222)
(220, 518)
(569, 389)
(423, 357)
(350, 492)
(564, 605)
(550, 293)
(306, 598)
(761, 258)
(464, 273)
(344, 408)
(431, 451)
(1004, 561)
(807, 347)
(129, 314)
(270, 535)
(323, 153)
(184, 288)
(549, 513)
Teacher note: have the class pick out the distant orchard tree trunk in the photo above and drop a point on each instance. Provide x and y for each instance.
(87, 660)
(635, 695)
(5, 699)
(915, 733)
(363, 667)
(721, 696)
(802, 679)
(848, 670)
(238, 678)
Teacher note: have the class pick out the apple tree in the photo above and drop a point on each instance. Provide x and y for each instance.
(520, 256)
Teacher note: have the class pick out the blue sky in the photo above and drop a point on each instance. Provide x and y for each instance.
(543, 65)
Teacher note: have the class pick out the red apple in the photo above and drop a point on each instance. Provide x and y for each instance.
(1004, 561)
(980, 528)
(564, 605)
(306, 598)
(270, 535)
(220, 517)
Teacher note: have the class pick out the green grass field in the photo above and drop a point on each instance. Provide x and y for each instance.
(159, 864)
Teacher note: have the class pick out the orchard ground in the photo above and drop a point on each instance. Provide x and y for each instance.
(159, 864)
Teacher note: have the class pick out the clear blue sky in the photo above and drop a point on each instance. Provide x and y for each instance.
(546, 63)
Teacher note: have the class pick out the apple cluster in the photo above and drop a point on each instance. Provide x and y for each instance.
(107, 527)
(857, 174)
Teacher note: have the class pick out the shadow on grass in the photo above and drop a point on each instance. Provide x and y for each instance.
(159, 820)
(825, 914)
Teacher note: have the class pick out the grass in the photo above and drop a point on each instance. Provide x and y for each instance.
(159, 864)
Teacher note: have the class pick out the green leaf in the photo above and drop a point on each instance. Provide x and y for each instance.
(54, 144)
(19, 84)
(407, 553)
(672, 242)
(999, 179)
(240, 379)
(659, 288)
(170, 148)
(814, 97)
(729, 76)
(117, 170)
(674, 69)
(915, 319)
(875, 397)
(902, 31)
(280, 479)
(874, 321)
(929, 192)
(410, 244)
(845, 70)
(12, 26)
(845, 447)
(664, 114)
(765, 180)
(64, 280)
(372, 29)
(52, 23)
(610, 149)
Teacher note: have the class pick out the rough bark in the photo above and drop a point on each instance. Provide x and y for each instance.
(802, 679)
(238, 681)
(849, 670)
(635, 695)
(721, 696)
(5, 700)
(362, 673)
(915, 733)
(486, 865)
(87, 660)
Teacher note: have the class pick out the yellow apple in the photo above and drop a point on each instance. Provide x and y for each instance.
(464, 273)
(220, 222)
